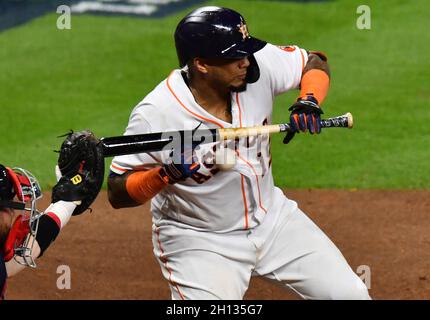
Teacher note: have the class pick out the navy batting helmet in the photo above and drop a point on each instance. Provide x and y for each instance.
(215, 32)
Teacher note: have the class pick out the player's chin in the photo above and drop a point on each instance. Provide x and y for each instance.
(239, 87)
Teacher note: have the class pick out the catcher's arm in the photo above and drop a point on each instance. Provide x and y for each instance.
(81, 170)
(17, 264)
(79, 173)
(51, 222)
(13, 267)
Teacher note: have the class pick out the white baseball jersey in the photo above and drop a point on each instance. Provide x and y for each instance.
(213, 200)
(213, 231)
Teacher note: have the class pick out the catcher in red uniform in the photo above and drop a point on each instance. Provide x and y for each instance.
(26, 232)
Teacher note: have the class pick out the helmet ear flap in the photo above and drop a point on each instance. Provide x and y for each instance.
(182, 48)
(17, 189)
(25, 186)
(253, 71)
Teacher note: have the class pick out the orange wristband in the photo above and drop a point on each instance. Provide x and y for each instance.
(315, 83)
(143, 185)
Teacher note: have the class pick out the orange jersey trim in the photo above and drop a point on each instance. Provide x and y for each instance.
(244, 201)
(183, 105)
(250, 165)
(303, 59)
(240, 110)
(118, 168)
(242, 178)
(256, 177)
(164, 260)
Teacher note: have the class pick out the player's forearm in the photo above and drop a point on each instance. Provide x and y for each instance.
(117, 192)
(135, 188)
(316, 78)
(55, 218)
(13, 267)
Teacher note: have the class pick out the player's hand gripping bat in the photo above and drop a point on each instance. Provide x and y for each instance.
(157, 141)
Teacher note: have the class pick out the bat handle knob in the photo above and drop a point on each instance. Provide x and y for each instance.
(350, 120)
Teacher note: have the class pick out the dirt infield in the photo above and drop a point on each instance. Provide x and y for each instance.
(109, 251)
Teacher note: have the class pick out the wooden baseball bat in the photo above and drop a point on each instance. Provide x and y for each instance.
(149, 142)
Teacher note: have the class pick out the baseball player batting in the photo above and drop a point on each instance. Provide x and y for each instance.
(213, 229)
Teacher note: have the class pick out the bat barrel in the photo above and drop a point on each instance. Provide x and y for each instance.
(111, 150)
(157, 141)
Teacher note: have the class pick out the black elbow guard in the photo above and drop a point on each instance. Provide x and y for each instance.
(320, 54)
(47, 232)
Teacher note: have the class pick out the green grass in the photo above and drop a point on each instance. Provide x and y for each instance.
(93, 75)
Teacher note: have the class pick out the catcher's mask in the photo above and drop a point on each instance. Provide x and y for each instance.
(20, 190)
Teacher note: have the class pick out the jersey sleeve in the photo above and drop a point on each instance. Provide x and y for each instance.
(283, 66)
(137, 125)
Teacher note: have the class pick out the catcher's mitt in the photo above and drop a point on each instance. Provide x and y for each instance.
(81, 165)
